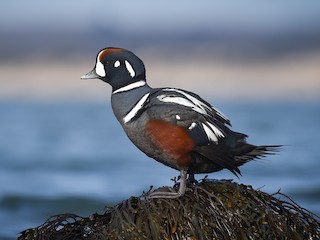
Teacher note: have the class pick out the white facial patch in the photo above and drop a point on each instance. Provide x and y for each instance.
(178, 117)
(130, 68)
(117, 64)
(99, 67)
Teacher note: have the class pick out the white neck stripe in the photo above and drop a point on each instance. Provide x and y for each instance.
(130, 86)
(133, 112)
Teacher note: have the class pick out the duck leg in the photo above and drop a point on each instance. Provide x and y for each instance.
(172, 194)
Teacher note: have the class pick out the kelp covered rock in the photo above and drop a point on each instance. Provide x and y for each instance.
(208, 210)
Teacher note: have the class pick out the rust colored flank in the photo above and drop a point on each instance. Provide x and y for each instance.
(172, 139)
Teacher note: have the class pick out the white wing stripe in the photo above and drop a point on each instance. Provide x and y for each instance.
(181, 101)
(210, 134)
(191, 98)
(133, 112)
(201, 105)
(216, 131)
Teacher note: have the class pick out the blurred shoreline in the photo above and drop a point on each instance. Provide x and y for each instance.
(292, 78)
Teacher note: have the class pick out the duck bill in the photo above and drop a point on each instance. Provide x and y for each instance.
(90, 75)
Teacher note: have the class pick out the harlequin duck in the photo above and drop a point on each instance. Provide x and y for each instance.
(175, 127)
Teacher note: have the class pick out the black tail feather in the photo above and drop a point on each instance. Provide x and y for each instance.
(220, 157)
(248, 152)
(223, 157)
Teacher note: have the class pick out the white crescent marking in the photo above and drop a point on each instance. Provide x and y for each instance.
(130, 68)
(99, 67)
(136, 108)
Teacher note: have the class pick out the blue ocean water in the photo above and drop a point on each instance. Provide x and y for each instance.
(74, 157)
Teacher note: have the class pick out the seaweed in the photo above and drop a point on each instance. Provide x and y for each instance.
(208, 210)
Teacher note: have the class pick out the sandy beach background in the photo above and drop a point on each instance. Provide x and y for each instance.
(294, 78)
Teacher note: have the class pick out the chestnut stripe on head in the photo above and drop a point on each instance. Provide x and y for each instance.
(107, 51)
